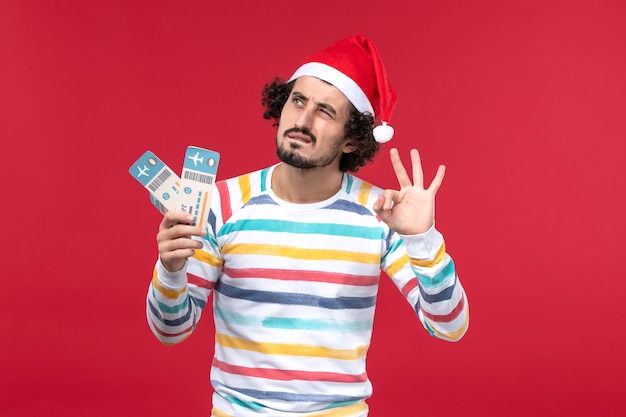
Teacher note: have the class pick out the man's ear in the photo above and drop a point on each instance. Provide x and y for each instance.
(349, 145)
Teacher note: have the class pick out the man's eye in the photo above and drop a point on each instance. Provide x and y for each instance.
(297, 101)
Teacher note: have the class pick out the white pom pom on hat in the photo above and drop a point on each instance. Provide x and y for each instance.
(383, 133)
(354, 66)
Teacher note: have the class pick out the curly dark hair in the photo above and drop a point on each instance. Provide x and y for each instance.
(360, 126)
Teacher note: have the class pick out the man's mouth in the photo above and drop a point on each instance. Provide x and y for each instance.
(300, 138)
(300, 135)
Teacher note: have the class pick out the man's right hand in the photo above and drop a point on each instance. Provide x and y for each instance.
(174, 239)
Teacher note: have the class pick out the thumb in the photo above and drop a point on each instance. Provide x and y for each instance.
(379, 208)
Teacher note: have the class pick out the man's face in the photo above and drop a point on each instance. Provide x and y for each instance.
(311, 127)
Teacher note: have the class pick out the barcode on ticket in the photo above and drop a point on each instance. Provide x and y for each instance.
(159, 180)
(198, 177)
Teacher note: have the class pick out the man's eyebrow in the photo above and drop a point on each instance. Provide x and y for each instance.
(298, 95)
(328, 108)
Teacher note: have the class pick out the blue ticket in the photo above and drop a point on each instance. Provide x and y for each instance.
(162, 183)
(197, 180)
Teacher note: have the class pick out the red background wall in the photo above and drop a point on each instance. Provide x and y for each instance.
(523, 101)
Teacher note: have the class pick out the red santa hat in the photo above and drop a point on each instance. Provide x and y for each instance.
(353, 65)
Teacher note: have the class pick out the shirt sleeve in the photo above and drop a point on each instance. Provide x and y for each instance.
(175, 300)
(425, 274)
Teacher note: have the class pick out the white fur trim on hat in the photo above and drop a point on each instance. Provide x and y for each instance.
(337, 78)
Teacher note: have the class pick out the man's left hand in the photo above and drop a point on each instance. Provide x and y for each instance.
(411, 210)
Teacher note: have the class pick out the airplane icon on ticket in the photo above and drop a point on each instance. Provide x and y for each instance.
(143, 172)
(196, 158)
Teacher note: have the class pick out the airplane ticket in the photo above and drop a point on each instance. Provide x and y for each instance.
(197, 180)
(191, 194)
(162, 183)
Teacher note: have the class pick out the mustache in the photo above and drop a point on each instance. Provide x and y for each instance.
(304, 131)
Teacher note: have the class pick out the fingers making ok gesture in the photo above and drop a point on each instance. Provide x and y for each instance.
(410, 210)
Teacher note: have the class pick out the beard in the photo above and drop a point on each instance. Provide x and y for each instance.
(290, 156)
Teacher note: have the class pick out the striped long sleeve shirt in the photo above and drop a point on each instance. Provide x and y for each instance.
(294, 293)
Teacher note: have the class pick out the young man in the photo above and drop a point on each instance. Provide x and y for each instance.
(294, 251)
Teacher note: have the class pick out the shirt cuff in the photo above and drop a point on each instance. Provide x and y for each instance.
(172, 280)
(423, 246)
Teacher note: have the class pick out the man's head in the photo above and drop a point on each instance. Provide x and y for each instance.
(349, 74)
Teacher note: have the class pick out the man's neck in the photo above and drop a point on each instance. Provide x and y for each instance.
(305, 186)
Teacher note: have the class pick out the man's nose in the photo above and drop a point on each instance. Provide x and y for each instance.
(305, 118)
